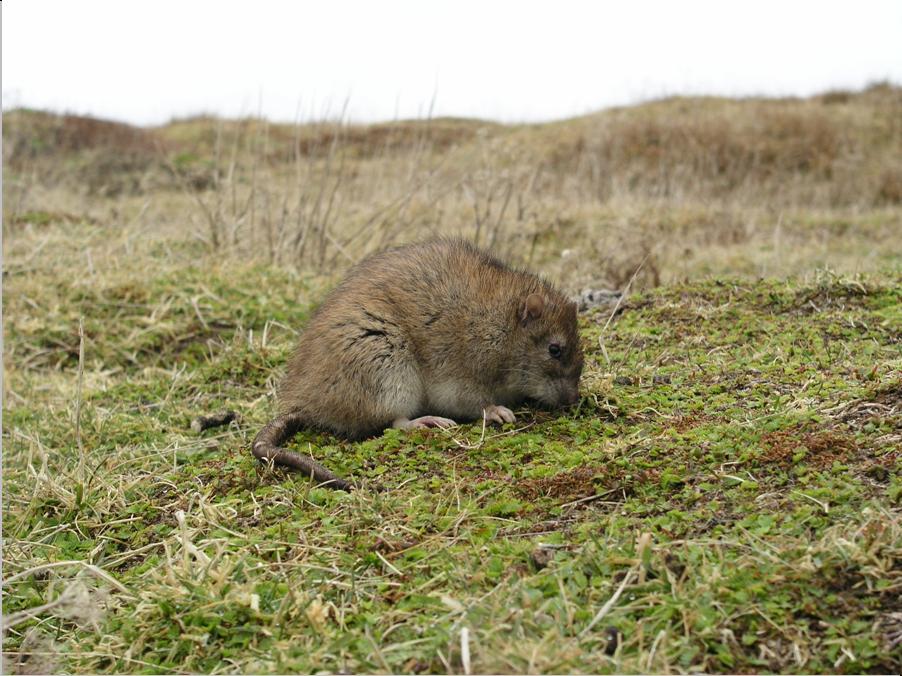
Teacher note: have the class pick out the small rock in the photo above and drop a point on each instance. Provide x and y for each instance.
(614, 638)
(591, 298)
(541, 557)
(416, 666)
(205, 422)
(877, 472)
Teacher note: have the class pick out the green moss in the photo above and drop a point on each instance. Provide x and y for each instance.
(754, 435)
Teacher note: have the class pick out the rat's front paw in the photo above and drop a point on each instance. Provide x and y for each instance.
(498, 414)
(423, 422)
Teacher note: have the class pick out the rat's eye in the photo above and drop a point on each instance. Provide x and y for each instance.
(554, 349)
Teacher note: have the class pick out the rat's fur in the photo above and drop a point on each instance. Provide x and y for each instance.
(437, 328)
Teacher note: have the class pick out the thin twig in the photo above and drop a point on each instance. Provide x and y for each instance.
(623, 294)
(99, 572)
(606, 608)
(590, 498)
(81, 373)
(465, 649)
(13, 619)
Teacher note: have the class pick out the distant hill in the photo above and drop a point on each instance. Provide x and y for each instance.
(849, 141)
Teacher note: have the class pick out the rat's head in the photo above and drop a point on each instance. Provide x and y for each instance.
(550, 357)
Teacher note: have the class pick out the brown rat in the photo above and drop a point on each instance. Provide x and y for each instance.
(421, 336)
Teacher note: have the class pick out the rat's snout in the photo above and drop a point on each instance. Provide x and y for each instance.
(569, 394)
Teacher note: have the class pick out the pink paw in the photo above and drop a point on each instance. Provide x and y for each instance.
(424, 422)
(498, 414)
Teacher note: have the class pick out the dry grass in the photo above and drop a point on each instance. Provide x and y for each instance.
(691, 186)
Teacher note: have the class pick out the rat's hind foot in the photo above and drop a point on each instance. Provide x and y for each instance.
(499, 414)
(423, 422)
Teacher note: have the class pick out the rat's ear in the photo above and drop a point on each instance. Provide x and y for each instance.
(532, 308)
(572, 310)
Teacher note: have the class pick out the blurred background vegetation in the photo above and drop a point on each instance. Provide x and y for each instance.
(685, 186)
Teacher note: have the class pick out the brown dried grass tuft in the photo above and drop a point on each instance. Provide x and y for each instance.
(821, 448)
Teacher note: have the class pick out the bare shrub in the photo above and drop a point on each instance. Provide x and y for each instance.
(889, 186)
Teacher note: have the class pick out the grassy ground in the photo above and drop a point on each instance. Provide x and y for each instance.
(725, 497)
(733, 469)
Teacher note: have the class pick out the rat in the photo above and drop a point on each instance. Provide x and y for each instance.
(424, 335)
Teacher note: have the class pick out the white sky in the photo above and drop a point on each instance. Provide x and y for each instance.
(145, 62)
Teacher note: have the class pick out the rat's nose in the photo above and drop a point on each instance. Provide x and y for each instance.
(570, 395)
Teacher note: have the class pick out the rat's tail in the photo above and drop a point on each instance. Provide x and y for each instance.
(266, 449)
